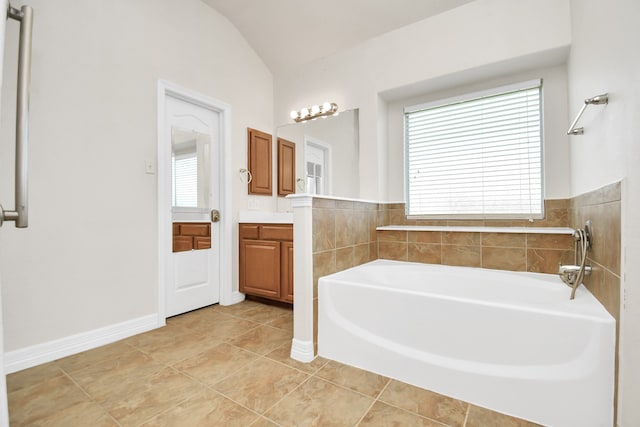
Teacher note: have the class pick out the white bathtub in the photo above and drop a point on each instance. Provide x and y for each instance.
(507, 341)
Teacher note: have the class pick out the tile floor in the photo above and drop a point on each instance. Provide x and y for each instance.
(224, 366)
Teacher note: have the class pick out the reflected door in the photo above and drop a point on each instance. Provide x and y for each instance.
(193, 279)
(317, 167)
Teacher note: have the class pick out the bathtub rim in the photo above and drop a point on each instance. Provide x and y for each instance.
(585, 306)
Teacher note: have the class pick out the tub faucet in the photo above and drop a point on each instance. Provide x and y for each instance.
(569, 273)
(572, 275)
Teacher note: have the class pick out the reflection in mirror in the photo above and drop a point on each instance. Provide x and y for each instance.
(327, 154)
(190, 168)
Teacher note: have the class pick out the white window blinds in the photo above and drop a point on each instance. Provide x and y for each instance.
(478, 158)
(185, 180)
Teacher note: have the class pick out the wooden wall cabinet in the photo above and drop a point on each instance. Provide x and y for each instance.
(266, 261)
(259, 159)
(286, 167)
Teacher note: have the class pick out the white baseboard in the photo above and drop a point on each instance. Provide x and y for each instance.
(28, 357)
(234, 298)
(302, 351)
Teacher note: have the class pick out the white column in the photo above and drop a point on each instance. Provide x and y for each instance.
(302, 348)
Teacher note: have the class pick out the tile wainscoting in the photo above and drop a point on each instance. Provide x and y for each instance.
(603, 208)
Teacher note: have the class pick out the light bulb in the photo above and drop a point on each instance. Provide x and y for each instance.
(304, 113)
(326, 106)
(315, 110)
(294, 114)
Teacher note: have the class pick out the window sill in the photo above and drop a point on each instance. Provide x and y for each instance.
(479, 229)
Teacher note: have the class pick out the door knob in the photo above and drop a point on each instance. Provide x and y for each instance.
(215, 215)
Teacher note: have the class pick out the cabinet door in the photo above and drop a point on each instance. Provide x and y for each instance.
(286, 167)
(260, 162)
(260, 268)
(287, 271)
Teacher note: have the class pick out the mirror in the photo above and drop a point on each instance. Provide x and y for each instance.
(327, 154)
(190, 168)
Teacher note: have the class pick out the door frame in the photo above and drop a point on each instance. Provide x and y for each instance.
(163, 182)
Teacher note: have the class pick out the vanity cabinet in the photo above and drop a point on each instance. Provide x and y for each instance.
(266, 261)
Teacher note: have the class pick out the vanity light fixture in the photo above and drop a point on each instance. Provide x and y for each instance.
(324, 110)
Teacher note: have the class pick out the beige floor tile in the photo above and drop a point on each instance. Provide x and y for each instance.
(261, 384)
(426, 403)
(132, 404)
(262, 340)
(81, 414)
(174, 345)
(284, 321)
(282, 354)
(31, 376)
(101, 379)
(156, 336)
(202, 319)
(353, 378)
(91, 357)
(229, 328)
(480, 417)
(264, 313)
(29, 405)
(216, 363)
(206, 408)
(237, 309)
(383, 415)
(263, 422)
(320, 403)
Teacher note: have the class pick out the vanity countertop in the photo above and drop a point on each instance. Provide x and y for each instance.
(265, 217)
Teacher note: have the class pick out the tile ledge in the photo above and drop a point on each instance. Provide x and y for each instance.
(479, 229)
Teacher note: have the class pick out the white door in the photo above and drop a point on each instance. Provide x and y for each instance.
(193, 276)
(317, 157)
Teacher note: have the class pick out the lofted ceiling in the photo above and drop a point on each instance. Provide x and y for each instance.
(289, 33)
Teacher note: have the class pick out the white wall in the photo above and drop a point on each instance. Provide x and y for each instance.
(89, 258)
(555, 117)
(466, 44)
(605, 57)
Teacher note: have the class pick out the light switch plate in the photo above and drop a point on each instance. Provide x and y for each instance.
(149, 167)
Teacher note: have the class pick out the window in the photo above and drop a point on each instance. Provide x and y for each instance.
(476, 158)
(185, 180)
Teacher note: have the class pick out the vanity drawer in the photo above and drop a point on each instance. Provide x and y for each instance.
(249, 231)
(276, 232)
